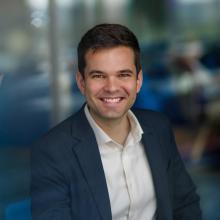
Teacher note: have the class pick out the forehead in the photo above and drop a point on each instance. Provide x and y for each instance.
(120, 54)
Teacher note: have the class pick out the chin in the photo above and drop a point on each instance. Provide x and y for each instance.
(112, 115)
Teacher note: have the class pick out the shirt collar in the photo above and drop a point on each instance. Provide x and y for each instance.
(100, 135)
(102, 138)
(136, 130)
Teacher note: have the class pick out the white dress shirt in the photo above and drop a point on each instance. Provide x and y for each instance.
(127, 173)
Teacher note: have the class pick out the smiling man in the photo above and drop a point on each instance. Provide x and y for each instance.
(110, 82)
(106, 161)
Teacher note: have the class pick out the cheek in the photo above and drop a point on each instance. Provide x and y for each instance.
(92, 89)
(131, 89)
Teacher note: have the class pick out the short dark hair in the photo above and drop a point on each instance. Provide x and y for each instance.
(107, 36)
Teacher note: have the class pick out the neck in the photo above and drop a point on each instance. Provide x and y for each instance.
(117, 129)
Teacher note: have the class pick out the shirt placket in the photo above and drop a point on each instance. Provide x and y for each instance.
(127, 167)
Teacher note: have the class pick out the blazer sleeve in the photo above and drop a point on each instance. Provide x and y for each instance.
(185, 200)
(49, 188)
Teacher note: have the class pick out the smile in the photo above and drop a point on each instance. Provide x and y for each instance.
(111, 100)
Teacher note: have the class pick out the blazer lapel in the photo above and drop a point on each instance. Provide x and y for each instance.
(158, 169)
(89, 158)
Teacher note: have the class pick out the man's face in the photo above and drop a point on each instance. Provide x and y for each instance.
(110, 82)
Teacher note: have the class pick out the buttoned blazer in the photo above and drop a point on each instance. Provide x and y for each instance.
(68, 180)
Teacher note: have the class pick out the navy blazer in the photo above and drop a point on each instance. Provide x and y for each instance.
(68, 181)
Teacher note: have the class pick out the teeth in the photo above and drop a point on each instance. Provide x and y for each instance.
(111, 100)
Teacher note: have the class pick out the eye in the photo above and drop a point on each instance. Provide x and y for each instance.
(98, 76)
(125, 75)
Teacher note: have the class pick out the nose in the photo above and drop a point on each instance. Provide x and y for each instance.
(111, 84)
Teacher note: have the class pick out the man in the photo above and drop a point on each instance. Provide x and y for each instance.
(107, 162)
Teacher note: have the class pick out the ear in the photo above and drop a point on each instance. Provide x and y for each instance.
(139, 80)
(80, 82)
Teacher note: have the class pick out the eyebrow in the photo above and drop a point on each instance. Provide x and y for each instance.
(125, 71)
(102, 72)
(95, 72)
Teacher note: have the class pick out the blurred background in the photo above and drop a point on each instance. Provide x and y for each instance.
(181, 64)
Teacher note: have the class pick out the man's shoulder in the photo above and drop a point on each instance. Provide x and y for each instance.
(150, 116)
(62, 132)
(153, 121)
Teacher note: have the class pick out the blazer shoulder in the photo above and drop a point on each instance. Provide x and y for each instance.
(64, 133)
(151, 117)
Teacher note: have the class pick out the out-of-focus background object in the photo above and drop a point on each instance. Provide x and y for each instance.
(181, 64)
